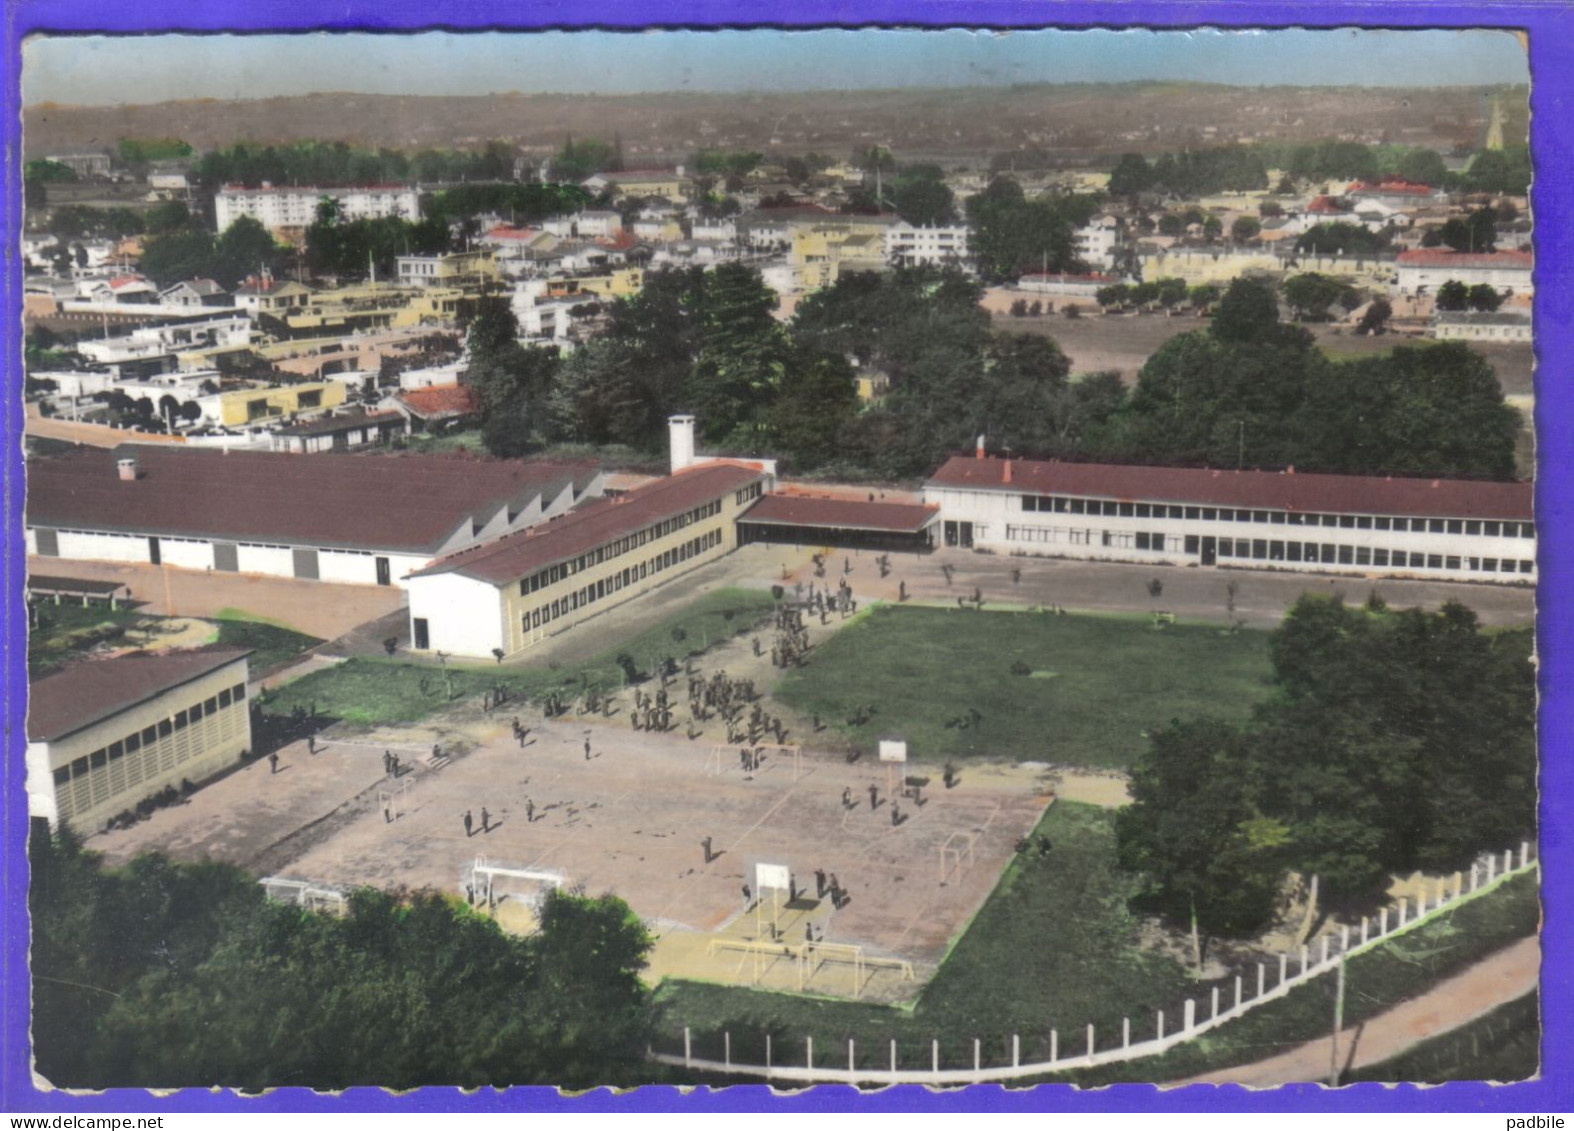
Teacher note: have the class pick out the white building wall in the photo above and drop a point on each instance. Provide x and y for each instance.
(463, 616)
(1002, 524)
(96, 547)
(41, 800)
(187, 553)
(274, 560)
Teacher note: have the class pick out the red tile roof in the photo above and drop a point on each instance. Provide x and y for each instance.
(509, 232)
(1326, 204)
(1266, 490)
(83, 694)
(1394, 186)
(840, 514)
(593, 525)
(1442, 257)
(403, 504)
(440, 400)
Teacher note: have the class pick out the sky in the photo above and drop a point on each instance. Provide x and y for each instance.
(104, 70)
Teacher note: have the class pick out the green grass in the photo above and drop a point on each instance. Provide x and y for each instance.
(1054, 946)
(466, 441)
(1375, 981)
(1502, 1046)
(373, 692)
(273, 646)
(1115, 678)
(66, 630)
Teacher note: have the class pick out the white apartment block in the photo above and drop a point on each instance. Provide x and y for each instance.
(910, 246)
(296, 206)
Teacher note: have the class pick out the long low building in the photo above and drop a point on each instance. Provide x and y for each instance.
(352, 519)
(517, 591)
(1456, 530)
(103, 735)
(807, 520)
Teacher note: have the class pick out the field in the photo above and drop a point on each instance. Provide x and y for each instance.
(373, 692)
(1095, 684)
(1054, 946)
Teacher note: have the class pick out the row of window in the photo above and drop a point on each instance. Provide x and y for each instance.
(553, 574)
(1260, 549)
(590, 594)
(749, 493)
(148, 735)
(1057, 504)
(1264, 549)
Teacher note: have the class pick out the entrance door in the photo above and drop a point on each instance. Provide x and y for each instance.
(153, 551)
(226, 556)
(384, 574)
(950, 533)
(306, 564)
(1210, 550)
(965, 535)
(421, 640)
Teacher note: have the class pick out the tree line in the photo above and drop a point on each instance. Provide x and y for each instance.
(162, 974)
(1393, 742)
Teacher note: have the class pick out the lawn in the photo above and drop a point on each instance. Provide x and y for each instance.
(273, 646)
(67, 631)
(374, 692)
(1095, 684)
(1054, 946)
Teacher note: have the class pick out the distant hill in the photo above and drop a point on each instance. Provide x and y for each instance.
(939, 123)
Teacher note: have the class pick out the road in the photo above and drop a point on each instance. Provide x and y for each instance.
(1496, 980)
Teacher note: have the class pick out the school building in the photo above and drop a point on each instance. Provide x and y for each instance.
(352, 519)
(1452, 530)
(103, 735)
(517, 591)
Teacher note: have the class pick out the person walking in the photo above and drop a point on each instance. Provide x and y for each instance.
(273, 763)
(874, 797)
(705, 844)
(587, 749)
(896, 814)
(530, 811)
(469, 824)
(748, 897)
(819, 883)
(847, 797)
(486, 820)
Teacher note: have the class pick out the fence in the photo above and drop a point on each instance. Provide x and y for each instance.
(1080, 1048)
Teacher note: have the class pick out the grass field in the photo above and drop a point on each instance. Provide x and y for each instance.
(1054, 945)
(1096, 683)
(273, 645)
(67, 631)
(373, 692)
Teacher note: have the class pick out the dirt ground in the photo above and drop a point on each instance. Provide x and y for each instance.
(313, 607)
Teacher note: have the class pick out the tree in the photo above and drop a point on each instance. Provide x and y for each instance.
(1423, 166)
(1247, 312)
(1484, 296)
(1311, 295)
(1452, 295)
(1131, 175)
(168, 216)
(182, 254)
(1375, 320)
(924, 202)
(244, 248)
(1341, 238)
(1196, 832)
(1474, 233)
(1245, 228)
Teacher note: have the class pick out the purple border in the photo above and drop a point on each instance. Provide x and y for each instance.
(1551, 31)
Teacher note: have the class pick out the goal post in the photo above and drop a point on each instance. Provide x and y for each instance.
(956, 855)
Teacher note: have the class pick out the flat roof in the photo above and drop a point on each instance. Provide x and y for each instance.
(342, 422)
(840, 514)
(1266, 490)
(401, 503)
(593, 525)
(90, 692)
(49, 583)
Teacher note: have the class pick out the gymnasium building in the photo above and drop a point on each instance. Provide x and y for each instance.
(351, 519)
(103, 735)
(1447, 529)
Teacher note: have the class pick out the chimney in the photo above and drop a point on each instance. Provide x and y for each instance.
(680, 431)
(1006, 478)
(978, 452)
(127, 468)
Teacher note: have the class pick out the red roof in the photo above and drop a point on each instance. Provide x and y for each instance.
(1393, 186)
(1266, 490)
(92, 691)
(403, 504)
(1325, 204)
(509, 232)
(1442, 257)
(120, 281)
(840, 514)
(440, 400)
(593, 525)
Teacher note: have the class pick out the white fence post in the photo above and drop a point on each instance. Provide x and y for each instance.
(977, 1056)
(1459, 884)
(1237, 991)
(688, 1048)
(1323, 961)
(1303, 959)
(893, 1056)
(1404, 907)
(1491, 867)
(1054, 1045)
(934, 1056)
(1125, 1032)
(1344, 938)
(1421, 903)
(767, 1050)
(1524, 853)
(809, 1051)
(1016, 1051)
(1090, 1041)
(1215, 1013)
(1262, 976)
(1284, 968)
(1161, 1025)
(1382, 925)
(726, 1048)
(1190, 1015)
(852, 1064)
(1508, 861)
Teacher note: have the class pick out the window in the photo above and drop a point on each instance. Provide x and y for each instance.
(1434, 561)
(63, 775)
(1330, 553)
(1346, 555)
(1277, 518)
(1451, 562)
(149, 736)
(238, 692)
(1144, 510)
(1380, 557)
(133, 743)
(1489, 565)
(1527, 530)
(1363, 522)
(1276, 551)
(79, 768)
(1260, 548)
(224, 698)
(1259, 516)
(1473, 527)
(210, 706)
(1456, 526)
(165, 728)
(1292, 551)
(1177, 512)
(1436, 526)
(180, 720)
(1347, 521)
(117, 750)
(1383, 523)
(1363, 556)
(1330, 520)
(1193, 544)
(1030, 502)
(99, 757)
(1492, 529)
(1209, 514)
(1078, 506)
(1526, 566)
(1142, 540)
